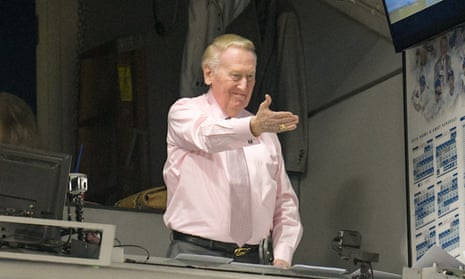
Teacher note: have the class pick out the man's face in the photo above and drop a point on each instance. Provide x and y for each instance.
(233, 79)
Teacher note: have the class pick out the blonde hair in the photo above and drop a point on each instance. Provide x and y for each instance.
(211, 55)
(17, 122)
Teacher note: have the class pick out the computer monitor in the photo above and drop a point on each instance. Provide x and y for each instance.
(33, 184)
(414, 21)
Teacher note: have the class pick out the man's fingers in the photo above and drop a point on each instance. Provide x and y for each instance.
(286, 118)
(266, 103)
(268, 99)
(267, 120)
(286, 128)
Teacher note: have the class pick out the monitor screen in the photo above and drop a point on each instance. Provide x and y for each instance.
(400, 9)
(414, 21)
(33, 184)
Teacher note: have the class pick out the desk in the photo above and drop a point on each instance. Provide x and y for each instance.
(153, 269)
(42, 270)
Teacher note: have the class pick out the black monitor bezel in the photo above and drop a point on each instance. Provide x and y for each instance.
(50, 199)
(426, 23)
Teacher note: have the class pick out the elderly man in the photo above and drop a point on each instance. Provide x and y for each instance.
(227, 185)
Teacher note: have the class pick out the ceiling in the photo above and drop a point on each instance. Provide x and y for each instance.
(367, 12)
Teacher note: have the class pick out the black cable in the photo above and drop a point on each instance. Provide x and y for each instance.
(135, 246)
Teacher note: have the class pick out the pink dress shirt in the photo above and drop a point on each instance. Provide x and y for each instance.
(197, 177)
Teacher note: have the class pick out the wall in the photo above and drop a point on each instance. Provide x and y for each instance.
(134, 230)
(355, 178)
(57, 52)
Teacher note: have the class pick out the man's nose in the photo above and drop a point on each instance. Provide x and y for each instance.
(243, 82)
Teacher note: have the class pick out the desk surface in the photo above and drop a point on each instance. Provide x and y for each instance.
(46, 270)
(153, 268)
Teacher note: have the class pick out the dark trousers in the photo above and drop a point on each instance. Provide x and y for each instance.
(178, 246)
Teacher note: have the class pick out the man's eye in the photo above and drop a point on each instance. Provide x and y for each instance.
(236, 77)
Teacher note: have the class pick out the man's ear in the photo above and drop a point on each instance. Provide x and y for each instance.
(207, 75)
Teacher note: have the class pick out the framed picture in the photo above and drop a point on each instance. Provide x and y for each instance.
(435, 143)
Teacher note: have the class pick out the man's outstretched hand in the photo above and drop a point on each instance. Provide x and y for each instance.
(270, 121)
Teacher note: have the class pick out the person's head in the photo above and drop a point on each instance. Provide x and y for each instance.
(229, 65)
(443, 45)
(17, 122)
(421, 56)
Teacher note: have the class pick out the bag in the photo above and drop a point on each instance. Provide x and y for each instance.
(147, 199)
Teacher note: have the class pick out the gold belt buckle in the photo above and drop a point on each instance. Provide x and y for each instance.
(241, 251)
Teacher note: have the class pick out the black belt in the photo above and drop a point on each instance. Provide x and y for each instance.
(230, 248)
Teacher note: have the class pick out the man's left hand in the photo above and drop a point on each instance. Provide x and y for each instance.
(281, 263)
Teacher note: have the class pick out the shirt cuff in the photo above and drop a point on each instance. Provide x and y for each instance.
(242, 127)
(283, 252)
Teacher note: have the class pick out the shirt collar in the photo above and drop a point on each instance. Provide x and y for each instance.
(218, 111)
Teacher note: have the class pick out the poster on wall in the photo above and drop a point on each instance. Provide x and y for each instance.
(435, 115)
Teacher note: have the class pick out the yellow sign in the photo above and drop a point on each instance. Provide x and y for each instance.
(125, 83)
